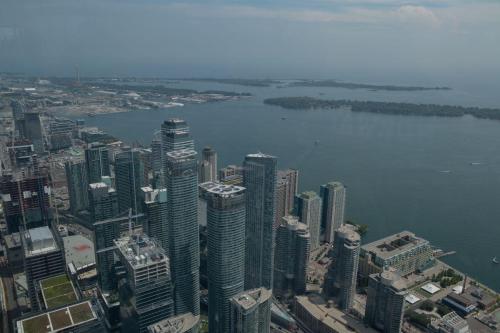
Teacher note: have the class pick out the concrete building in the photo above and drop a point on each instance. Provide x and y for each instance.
(182, 207)
(308, 209)
(259, 175)
(175, 135)
(342, 274)
(251, 311)
(148, 280)
(129, 178)
(333, 196)
(77, 180)
(184, 323)
(403, 251)
(449, 323)
(231, 175)
(43, 257)
(291, 256)
(226, 250)
(156, 212)
(97, 162)
(385, 301)
(286, 190)
(208, 165)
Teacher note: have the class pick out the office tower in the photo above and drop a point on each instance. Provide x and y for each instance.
(308, 209)
(342, 274)
(25, 201)
(155, 209)
(231, 175)
(33, 130)
(208, 165)
(76, 177)
(97, 162)
(103, 205)
(259, 176)
(385, 301)
(129, 178)
(18, 116)
(182, 207)
(148, 280)
(156, 156)
(291, 256)
(226, 250)
(332, 215)
(175, 135)
(184, 323)
(43, 257)
(251, 311)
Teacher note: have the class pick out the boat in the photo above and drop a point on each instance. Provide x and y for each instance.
(283, 118)
(445, 171)
(316, 142)
(475, 163)
(495, 260)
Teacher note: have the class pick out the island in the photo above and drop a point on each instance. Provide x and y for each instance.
(350, 85)
(407, 109)
(240, 82)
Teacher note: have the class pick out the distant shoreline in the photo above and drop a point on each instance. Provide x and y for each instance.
(350, 85)
(407, 109)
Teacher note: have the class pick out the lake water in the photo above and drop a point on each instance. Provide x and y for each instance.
(402, 172)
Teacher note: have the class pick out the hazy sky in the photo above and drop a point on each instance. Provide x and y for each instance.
(348, 39)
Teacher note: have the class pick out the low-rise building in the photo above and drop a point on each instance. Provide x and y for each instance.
(449, 323)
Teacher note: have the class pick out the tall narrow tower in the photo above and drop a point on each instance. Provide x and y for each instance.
(129, 177)
(308, 209)
(175, 135)
(332, 215)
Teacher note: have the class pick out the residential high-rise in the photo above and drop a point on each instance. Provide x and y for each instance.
(76, 177)
(103, 205)
(308, 209)
(341, 280)
(259, 177)
(226, 250)
(97, 162)
(333, 195)
(208, 165)
(156, 211)
(385, 301)
(148, 280)
(182, 207)
(286, 190)
(291, 256)
(251, 311)
(129, 178)
(231, 175)
(175, 135)
(43, 257)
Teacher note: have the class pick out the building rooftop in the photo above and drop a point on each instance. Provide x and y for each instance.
(349, 233)
(248, 299)
(38, 241)
(221, 189)
(57, 291)
(393, 245)
(292, 222)
(154, 195)
(79, 250)
(140, 250)
(178, 324)
(260, 155)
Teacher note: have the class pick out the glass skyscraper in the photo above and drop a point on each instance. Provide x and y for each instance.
(308, 209)
(77, 180)
(129, 178)
(332, 216)
(97, 162)
(175, 135)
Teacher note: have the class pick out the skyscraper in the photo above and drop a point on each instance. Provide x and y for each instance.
(182, 207)
(76, 177)
(97, 162)
(226, 250)
(103, 205)
(308, 209)
(332, 215)
(175, 135)
(251, 311)
(385, 301)
(286, 190)
(208, 165)
(291, 256)
(129, 178)
(156, 156)
(156, 211)
(341, 282)
(259, 177)
(148, 280)
(33, 130)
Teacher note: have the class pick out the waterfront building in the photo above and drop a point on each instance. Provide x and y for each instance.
(231, 175)
(129, 178)
(308, 209)
(184, 323)
(76, 177)
(259, 175)
(226, 250)
(385, 301)
(43, 257)
(97, 162)
(286, 190)
(148, 280)
(208, 165)
(449, 323)
(291, 256)
(156, 211)
(403, 251)
(182, 209)
(251, 311)
(333, 196)
(175, 135)
(342, 274)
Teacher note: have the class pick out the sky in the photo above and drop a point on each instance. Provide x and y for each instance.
(370, 40)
